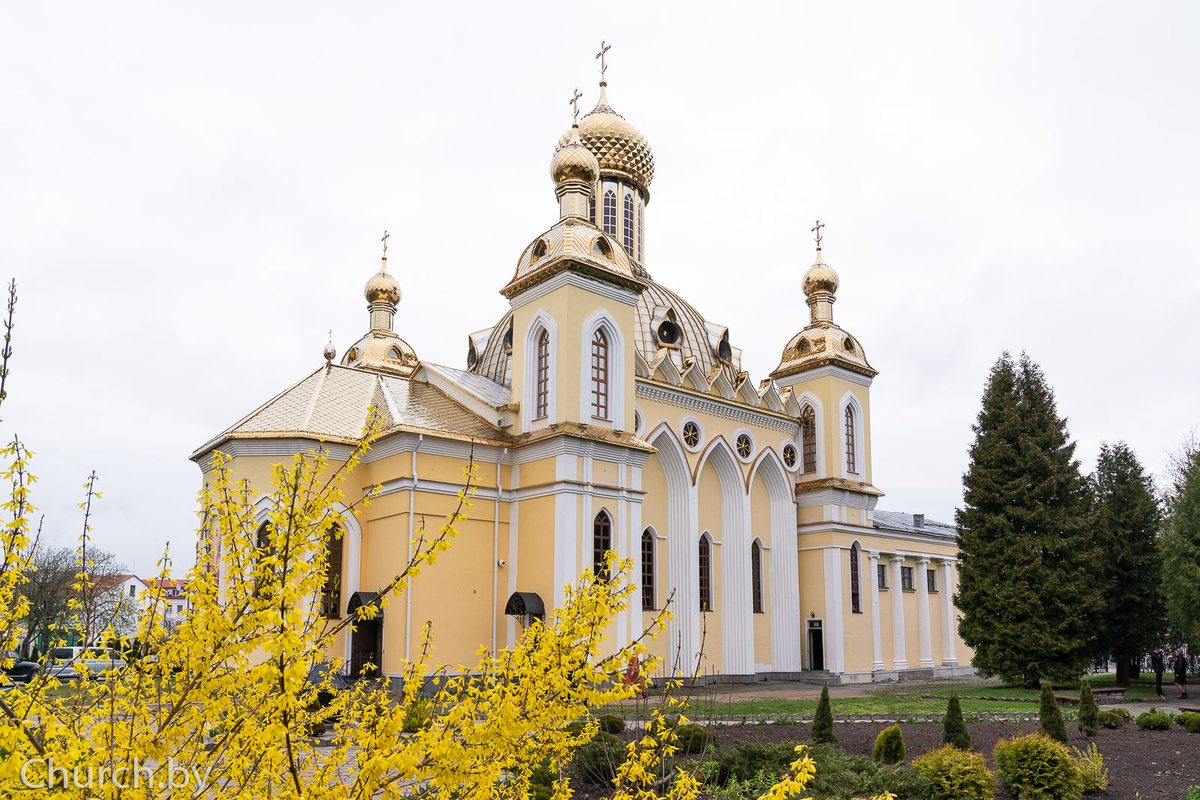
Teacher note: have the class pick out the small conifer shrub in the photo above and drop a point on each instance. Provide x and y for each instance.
(612, 724)
(954, 730)
(1090, 765)
(1037, 766)
(1050, 715)
(889, 746)
(956, 774)
(1089, 713)
(1154, 720)
(822, 732)
(1111, 719)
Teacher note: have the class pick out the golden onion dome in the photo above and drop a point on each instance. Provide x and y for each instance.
(618, 146)
(820, 278)
(382, 286)
(573, 161)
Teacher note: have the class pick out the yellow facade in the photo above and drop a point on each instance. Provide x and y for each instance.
(604, 412)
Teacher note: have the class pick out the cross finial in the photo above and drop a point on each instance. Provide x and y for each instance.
(575, 104)
(817, 230)
(604, 48)
(384, 240)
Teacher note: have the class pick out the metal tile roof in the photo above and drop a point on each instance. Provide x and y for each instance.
(901, 521)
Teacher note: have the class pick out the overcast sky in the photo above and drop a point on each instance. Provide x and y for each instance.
(191, 197)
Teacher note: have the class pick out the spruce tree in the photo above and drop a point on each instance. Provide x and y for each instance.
(822, 732)
(1089, 713)
(1126, 523)
(954, 729)
(1050, 716)
(1181, 549)
(1027, 590)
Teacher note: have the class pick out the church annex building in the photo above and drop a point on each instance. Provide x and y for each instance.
(604, 413)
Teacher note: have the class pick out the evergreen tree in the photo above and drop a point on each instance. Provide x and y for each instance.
(1089, 713)
(1027, 590)
(1050, 715)
(822, 732)
(954, 729)
(1126, 523)
(1181, 550)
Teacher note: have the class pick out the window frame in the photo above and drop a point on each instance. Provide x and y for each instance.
(542, 376)
(704, 572)
(601, 365)
(931, 580)
(808, 439)
(602, 539)
(908, 581)
(627, 217)
(331, 591)
(649, 599)
(756, 577)
(609, 212)
(881, 577)
(850, 436)
(856, 606)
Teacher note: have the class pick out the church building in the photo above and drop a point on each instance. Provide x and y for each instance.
(604, 412)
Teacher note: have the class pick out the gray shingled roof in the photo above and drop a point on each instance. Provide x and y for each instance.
(901, 521)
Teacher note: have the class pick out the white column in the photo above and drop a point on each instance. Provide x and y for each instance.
(835, 654)
(949, 620)
(876, 641)
(898, 658)
(923, 613)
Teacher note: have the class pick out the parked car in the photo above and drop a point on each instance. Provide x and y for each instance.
(21, 670)
(69, 662)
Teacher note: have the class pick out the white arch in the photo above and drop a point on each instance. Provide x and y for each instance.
(616, 371)
(818, 408)
(542, 320)
(860, 450)
(683, 630)
(784, 595)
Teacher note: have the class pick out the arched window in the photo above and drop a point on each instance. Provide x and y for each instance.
(600, 374)
(542, 379)
(331, 596)
(262, 545)
(705, 573)
(641, 251)
(647, 570)
(592, 208)
(628, 232)
(808, 438)
(851, 460)
(756, 582)
(855, 583)
(610, 212)
(601, 544)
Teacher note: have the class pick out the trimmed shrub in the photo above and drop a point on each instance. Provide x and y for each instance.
(954, 774)
(1090, 765)
(693, 739)
(744, 762)
(597, 761)
(1089, 713)
(612, 724)
(1154, 720)
(1183, 716)
(1123, 712)
(417, 715)
(1050, 715)
(1037, 766)
(845, 777)
(889, 746)
(954, 730)
(822, 731)
(1193, 723)
(1111, 719)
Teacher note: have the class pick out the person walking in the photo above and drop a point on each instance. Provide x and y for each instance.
(1158, 663)
(1181, 674)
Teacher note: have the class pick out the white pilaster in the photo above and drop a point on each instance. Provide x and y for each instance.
(899, 661)
(923, 613)
(835, 652)
(949, 628)
(876, 639)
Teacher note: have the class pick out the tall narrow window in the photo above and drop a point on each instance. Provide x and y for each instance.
(705, 573)
(262, 545)
(331, 596)
(641, 215)
(610, 212)
(600, 374)
(855, 584)
(647, 570)
(543, 375)
(601, 544)
(756, 583)
(592, 208)
(851, 460)
(628, 232)
(808, 437)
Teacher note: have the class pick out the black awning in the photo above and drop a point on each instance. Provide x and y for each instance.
(360, 599)
(522, 603)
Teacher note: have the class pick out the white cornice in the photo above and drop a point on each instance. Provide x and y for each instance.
(827, 371)
(714, 407)
(572, 278)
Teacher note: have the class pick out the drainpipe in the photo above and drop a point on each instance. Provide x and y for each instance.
(496, 547)
(412, 531)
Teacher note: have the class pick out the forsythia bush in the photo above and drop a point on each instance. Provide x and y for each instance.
(955, 774)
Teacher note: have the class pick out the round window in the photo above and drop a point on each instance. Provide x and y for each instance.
(724, 351)
(744, 446)
(691, 434)
(789, 456)
(668, 332)
(848, 343)
(805, 345)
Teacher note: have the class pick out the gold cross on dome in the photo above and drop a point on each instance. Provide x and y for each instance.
(817, 230)
(575, 104)
(384, 240)
(604, 48)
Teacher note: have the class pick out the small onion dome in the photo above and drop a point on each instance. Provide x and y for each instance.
(382, 286)
(330, 352)
(618, 146)
(573, 161)
(820, 278)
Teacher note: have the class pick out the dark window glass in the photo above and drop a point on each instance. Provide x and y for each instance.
(641, 256)
(601, 544)
(906, 578)
(881, 574)
(331, 597)
(691, 434)
(808, 436)
(705, 574)
(931, 580)
(851, 461)
(543, 375)
(600, 374)
(647, 570)
(756, 581)
(789, 456)
(744, 446)
(855, 587)
(628, 232)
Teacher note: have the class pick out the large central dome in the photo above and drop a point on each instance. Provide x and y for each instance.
(618, 146)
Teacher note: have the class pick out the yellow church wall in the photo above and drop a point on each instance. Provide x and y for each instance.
(812, 595)
(760, 515)
(538, 473)
(711, 508)
(654, 515)
(535, 546)
(604, 473)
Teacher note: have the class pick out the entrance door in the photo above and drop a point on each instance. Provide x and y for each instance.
(364, 647)
(816, 646)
